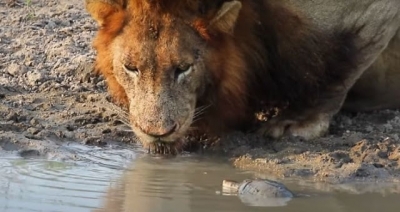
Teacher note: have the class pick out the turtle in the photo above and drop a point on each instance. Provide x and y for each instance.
(258, 192)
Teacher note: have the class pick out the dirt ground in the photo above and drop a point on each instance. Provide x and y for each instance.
(49, 96)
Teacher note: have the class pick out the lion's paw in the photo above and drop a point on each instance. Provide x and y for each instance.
(307, 129)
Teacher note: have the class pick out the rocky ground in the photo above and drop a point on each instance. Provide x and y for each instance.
(49, 96)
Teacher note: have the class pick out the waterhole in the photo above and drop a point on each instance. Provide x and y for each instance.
(114, 178)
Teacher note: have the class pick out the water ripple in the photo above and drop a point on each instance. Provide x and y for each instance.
(46, 185)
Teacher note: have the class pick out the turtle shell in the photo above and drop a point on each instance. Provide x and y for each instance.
(264, 193)
(264, 188)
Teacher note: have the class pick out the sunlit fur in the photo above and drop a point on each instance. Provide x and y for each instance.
(271, 56)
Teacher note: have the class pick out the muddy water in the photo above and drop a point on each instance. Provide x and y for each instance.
(123, 179)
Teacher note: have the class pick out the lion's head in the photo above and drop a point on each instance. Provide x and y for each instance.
(167, 60)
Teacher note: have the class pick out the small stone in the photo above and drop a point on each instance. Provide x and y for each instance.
(34, 122)
(34, 76)
(16, 69)
(33, 130)
(50, 25)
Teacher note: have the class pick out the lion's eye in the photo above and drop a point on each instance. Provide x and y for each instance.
(131, 69)
(182, 71)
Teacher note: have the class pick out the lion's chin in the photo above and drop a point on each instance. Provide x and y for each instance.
(170, 139)
(164, 147)
(170, 145)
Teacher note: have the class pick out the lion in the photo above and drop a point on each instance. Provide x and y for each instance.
(275, 67)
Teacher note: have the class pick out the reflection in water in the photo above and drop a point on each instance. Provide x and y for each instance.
(39, 184)
(194, 185)
(259, 192)
(178, 184)
(115, 179)
(189, 184)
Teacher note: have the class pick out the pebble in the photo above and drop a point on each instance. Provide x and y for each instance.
(33, 130)
(34, 76)
(16, 69)
(34, 122)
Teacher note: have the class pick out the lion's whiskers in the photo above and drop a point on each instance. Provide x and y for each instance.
(199, 112)
(122, 115)
(202, 109)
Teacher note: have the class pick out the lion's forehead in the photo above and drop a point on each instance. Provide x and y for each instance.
(154, 45)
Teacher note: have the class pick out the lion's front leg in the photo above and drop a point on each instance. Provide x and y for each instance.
(308, 122)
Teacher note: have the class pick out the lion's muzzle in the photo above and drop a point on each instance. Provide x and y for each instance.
(159, 132)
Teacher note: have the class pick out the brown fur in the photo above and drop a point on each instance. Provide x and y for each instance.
(111, 24)
(271, 56)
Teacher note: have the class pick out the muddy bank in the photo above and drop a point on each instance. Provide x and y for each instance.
(48, 93)
(49, 96)
(359, 147)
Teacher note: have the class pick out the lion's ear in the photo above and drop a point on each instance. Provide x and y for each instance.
(226, 17)
(101, 9)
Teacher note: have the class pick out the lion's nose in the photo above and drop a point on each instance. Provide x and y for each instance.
(164, 132)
